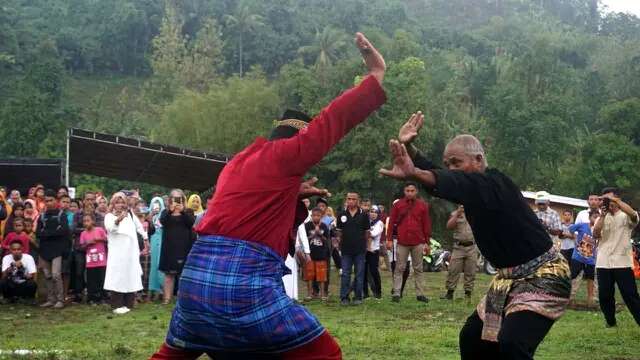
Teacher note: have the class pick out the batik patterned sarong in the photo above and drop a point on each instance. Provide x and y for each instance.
(232, 298)
(542, 285)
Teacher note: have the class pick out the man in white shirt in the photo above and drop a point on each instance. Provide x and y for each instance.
(594, 205)
(614, 262)
(18, 274)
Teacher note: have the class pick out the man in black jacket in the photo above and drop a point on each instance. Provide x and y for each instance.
(532, 287)
(53, 234)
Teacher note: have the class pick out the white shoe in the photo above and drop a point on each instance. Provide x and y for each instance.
(121, 310)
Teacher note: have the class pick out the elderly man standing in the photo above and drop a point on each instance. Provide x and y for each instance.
(532, 287)
(549, 218)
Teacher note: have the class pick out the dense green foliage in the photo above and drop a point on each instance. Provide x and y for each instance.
(551, 87)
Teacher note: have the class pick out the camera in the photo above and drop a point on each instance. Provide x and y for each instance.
(177, 200)
(605, 202)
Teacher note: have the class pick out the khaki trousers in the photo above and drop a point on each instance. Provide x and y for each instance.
(53, 279)
(463, 259)
(403, 253)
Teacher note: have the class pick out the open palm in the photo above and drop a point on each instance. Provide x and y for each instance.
(403, 167)
(409, 131)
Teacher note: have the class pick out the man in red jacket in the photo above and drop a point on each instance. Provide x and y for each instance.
(411, 217)
(231, 302)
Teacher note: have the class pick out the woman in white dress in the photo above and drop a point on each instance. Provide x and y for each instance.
(124, 273)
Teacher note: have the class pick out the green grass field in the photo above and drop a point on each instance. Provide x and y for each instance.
(375, 330)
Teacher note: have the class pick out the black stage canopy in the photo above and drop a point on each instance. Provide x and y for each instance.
(130, 159)
(21, 174)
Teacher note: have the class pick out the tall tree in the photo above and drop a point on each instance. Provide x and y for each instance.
(242, 23)
(326, 48)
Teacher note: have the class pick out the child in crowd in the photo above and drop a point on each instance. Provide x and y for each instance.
(33, 243)
(74, 206)
(18, 212)
(19, 234)
(93, 240)
(142, 212)
(584, 256)
(31, 212)
(319, 245)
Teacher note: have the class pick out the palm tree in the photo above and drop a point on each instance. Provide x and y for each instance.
(241, 23)
(325, 48)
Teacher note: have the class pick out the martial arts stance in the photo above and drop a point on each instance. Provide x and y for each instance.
(231, 301)
(532, 287)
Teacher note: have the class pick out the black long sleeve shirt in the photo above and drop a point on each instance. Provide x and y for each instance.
(506, 230)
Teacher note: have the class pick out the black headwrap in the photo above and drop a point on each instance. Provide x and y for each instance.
(290, 123)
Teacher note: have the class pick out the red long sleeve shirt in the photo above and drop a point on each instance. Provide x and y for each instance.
(412, 220)
(257, 192)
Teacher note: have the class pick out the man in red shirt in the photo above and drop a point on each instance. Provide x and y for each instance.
(232, 302)
(411, 217)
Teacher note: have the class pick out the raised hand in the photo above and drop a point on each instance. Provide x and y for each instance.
(372, 58)
(409, 131)
(308, 189)
(403, 167)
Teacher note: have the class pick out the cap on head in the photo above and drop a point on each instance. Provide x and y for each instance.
(542, 197)
(289, 124)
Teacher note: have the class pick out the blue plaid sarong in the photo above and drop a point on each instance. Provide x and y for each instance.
(232, 298)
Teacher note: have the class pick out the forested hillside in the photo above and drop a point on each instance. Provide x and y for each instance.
(552, 87)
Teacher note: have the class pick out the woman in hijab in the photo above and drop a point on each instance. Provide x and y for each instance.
(102, 209)
(372, 260)
(195, 204)
(31, 212)
(39, 198)
(177, 239)
(124, 274)
(156, 277)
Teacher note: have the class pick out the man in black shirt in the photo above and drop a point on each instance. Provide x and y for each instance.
(53, 234)
(353, 227)
(532, 287)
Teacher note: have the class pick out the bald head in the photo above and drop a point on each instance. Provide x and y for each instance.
(465, 152)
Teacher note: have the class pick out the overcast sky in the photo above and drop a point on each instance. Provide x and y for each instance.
(631, 6)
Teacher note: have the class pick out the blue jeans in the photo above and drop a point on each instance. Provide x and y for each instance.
(345, 282)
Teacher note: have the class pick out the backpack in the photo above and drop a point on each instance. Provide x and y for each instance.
(43, 219)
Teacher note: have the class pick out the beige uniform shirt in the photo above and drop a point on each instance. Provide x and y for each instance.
(463, 233)
(614, 248)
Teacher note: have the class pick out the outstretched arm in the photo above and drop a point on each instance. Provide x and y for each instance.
(407, 134)
(298, 154)
(404, 169)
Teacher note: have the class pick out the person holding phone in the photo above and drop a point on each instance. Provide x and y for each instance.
(177, 239)
(614, 263)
